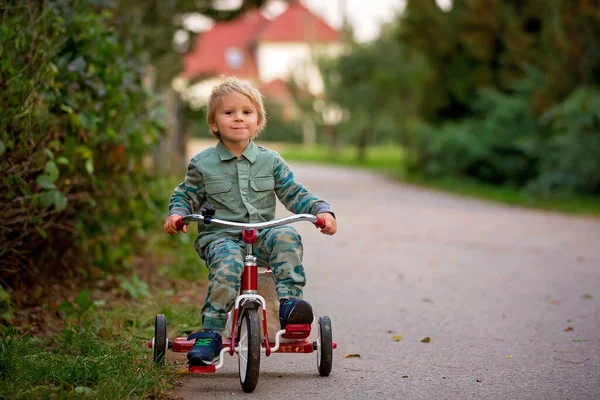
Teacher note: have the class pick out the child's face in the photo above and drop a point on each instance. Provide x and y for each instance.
(236, 119)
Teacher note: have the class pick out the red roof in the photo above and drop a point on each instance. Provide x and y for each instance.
(298, 24)
(228, 48)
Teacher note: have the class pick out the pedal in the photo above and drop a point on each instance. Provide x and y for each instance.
(297, 331)
(202, 369)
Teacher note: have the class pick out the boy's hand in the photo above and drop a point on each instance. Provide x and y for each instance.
(171, 224)
(330, 223)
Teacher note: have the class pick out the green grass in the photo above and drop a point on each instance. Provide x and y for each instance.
(102, 351)
(378, 158)
(388, 160)
(100, 355)
(575, 204)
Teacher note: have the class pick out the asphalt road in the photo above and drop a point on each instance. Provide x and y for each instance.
(510, 299)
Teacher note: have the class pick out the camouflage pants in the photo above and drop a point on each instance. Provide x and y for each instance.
(279, 247)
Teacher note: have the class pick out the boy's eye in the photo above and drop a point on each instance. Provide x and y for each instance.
(228, 112)
(248, 112)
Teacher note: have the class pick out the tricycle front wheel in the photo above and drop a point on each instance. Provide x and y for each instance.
(249, 346)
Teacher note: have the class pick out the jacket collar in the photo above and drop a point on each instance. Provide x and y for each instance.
(250, 153)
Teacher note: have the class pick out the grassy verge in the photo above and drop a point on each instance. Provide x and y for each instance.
(96, 346)
(378, 158)
(507, 195)
(388, 160)
(103, 356)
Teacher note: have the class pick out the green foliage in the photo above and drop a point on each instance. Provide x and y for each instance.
(570, 161)
(499, 145)
(187, 264)
(279, 128)
(6, 306)
(75, 127)
(496, 66)
(135, 287)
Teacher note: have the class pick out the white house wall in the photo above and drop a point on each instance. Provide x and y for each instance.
(285, 60)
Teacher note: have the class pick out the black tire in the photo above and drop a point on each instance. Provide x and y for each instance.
(324, 347)
(249, 344)
(159, 346)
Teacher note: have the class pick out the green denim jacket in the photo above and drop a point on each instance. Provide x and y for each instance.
(241, 189)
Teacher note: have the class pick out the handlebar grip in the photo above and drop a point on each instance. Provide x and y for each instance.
(320, 223)
(179, 225)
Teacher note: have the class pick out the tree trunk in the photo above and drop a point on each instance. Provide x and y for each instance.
(362, 144)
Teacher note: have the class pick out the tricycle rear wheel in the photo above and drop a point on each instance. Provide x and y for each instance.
(159, 346)
(324, 347)
(249, 348)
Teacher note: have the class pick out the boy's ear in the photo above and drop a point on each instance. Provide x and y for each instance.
(214, 128)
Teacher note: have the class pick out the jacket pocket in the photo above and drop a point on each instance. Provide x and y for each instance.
(263, 192)
(220, 191)
(263, 183)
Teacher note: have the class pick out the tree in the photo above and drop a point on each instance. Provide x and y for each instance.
(377, 85)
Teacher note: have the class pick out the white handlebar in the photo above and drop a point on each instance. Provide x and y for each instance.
(243, 225)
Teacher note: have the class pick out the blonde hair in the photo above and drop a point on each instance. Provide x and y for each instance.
(232, 86)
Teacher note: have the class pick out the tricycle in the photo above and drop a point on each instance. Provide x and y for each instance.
(248, 339)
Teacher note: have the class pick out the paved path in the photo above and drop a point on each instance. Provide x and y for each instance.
(509, 297)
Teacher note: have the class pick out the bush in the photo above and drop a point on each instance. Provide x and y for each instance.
(570, 161)
(75, 128)
(499, 145)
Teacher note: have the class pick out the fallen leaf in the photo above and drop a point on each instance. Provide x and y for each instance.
(588, 296)
(579, 340)
(569, 329)
(426, 340)
(405, 376)
(509, 357)
(183, 371)
(554, 301)
(390, 331)
(352, 355)
(478, 380)
(426, 300)
(397, 338)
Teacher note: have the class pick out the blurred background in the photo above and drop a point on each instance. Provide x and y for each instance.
(104, 102)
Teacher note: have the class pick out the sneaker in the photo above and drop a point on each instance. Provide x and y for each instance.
(295, 311)
(206, 349)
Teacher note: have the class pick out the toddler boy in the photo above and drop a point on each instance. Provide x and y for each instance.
(241, 180)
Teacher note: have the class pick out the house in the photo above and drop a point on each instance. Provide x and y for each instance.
(263, 47)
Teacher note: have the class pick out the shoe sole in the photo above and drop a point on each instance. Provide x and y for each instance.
(301, 314)
(198, 362)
